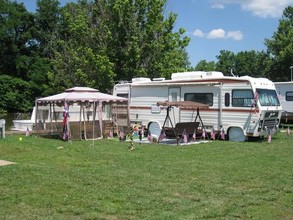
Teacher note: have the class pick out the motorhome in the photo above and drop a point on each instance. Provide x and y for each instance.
(242, 107)
(285, 93)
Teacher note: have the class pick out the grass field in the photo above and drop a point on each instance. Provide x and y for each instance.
(218, 180)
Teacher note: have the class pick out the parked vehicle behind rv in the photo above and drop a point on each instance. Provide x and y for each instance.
(285, 93)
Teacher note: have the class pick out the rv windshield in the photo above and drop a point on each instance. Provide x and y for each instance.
(268, 97)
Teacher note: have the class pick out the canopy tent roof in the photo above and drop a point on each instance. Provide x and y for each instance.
(80, 94)
(186, 104)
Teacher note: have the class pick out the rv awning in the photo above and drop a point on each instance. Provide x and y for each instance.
(185, 104)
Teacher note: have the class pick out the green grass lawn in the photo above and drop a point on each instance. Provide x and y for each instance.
(219, 180)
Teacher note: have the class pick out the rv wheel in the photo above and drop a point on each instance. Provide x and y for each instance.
(236, 134)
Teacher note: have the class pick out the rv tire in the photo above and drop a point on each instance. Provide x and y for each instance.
(155, 129)
(236, 134)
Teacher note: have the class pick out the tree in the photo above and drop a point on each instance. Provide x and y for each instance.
(106, 41)
(203, 65)
(15, 39)
(141, 39)
(80, 57)
(252, 63)
(15, 94)
(226, 62)
(47, 19)
(16, 55)
(280, 47)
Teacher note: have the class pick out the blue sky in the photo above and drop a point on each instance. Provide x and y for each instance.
(215, 25)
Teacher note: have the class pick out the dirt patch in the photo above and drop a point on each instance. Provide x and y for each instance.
(5, 162)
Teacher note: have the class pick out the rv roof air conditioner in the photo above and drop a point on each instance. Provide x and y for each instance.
(141, 79)
(196, 75)
(158, 79)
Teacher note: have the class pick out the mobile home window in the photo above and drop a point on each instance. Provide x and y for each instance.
(123, 95)
(242, 98)
(289, 96)
(227, 99)
(205, 98)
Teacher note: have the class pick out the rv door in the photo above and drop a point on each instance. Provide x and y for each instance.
(174, 95)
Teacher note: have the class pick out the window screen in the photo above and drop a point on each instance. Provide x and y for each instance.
(289, 96)
(242, 98)
(205, 98)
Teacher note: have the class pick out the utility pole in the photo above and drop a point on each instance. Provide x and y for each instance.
(291, 67)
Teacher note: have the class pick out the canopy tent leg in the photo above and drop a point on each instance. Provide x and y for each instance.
(80, 123)
(100, 115)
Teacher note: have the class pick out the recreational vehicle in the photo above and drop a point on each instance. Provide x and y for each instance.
(241, 107)
(285, 93)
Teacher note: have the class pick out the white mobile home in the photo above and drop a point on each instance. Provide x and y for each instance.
(241, 106)
(285, 92)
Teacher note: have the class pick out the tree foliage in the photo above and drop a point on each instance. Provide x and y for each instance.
(252, 63)
(280, 47)
(85, 43)
(15, 94)
(226, 62)
(203, 65)
(95, 43)
(15, 36)
(106, 41)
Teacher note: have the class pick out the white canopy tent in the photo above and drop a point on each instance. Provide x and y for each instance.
(81, 96)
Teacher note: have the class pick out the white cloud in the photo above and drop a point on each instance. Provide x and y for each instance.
(216, 33)
(235, 35)
(260, 8)
(198, 33)
(218, 6)
(219, 34)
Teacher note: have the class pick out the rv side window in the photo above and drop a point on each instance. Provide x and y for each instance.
(289, 96)
(123, 95)
(205, 98)
(227, 99)
(242, 98)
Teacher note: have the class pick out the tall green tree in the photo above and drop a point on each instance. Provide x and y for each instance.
(80, 57)
(46, 32)
(47, 20)
(109, 40)
(15, 94)
(252, 63)
(142, 39)
(280, 47)
(16, 49)
(15, 39)
(203, 65)
(226, 62)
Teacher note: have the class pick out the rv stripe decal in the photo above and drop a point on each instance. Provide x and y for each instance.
(202, 110)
